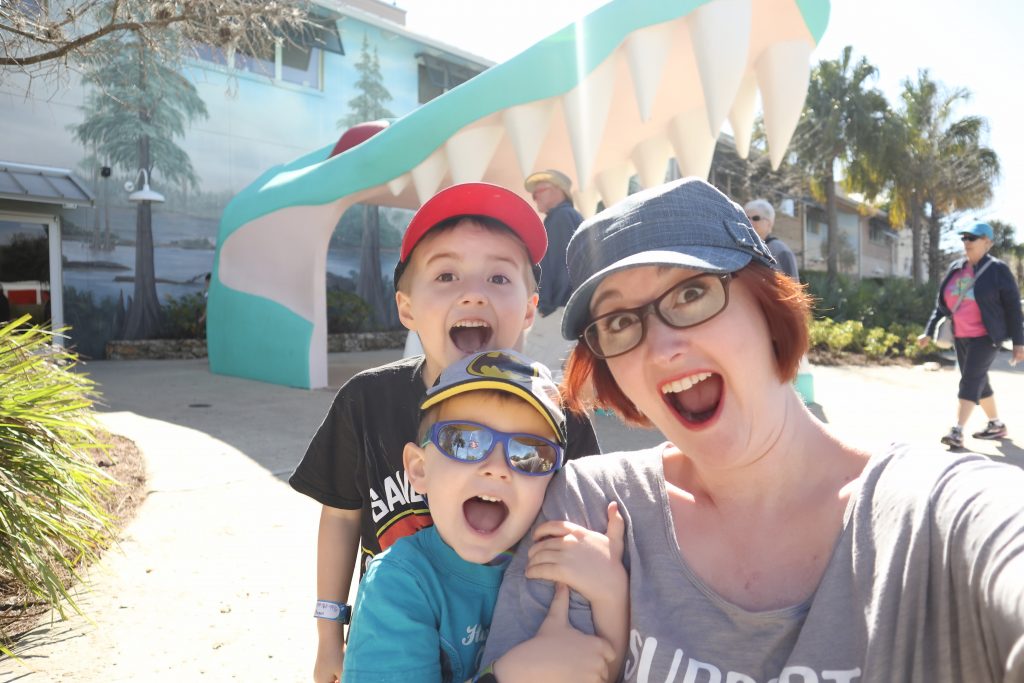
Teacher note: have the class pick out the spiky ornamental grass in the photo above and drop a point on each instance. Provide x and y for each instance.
(51, 520)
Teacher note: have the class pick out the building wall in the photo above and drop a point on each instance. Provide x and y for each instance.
(253, 123)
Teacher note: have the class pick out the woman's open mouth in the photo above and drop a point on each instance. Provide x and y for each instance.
(695, 398)
(470, 336)
(484, 514)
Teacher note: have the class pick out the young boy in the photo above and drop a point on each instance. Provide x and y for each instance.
(490, 438)
(466, 281)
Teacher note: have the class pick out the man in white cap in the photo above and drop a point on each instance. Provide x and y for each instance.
(761, 215)
(552, 192)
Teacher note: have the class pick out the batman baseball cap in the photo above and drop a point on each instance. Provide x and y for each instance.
(476, 199)
(502, 370)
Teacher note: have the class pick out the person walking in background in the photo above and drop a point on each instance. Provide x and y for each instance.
(762, 217)
(552, 194)
(980, 297)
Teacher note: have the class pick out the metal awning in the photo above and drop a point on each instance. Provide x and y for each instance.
(42, 185)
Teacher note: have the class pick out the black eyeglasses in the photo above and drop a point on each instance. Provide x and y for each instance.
(754, 219)
(691, 302)
(472, 442)
(969, 238)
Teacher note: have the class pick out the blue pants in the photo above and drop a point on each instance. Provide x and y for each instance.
(974, 356)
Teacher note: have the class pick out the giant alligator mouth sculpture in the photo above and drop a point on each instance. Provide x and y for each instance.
(618, 93)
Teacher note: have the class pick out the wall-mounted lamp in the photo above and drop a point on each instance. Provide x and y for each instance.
(787, 207)
(145, 194)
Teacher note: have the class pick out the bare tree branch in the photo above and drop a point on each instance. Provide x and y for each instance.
(64, 33)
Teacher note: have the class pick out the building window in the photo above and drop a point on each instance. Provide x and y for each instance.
(262, 62)
(301, 65)
(438, 76)
(293, 58)
(877, 232)
(817, 221)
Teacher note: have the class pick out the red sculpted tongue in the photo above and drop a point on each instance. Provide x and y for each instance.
(470, 339)
(484, 515)
(699, 402)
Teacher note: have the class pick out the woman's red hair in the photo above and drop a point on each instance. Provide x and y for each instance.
(783, 301)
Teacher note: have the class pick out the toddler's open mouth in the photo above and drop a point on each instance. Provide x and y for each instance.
(484, 513)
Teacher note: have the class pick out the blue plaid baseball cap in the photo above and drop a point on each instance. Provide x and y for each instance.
(687, 223)
(502, 370)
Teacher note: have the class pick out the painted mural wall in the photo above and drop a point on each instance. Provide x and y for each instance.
(265, 111)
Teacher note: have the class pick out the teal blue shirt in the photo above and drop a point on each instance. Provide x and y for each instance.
(422, 614)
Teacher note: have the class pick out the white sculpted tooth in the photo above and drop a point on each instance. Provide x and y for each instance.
(693, 142)
(586, 112)
(783, 72)
(613, 184)
(398, 185)
(586, 200)
(651, 160)
(527, 126)
(741, 118)
(427, 177)
(720, 32)
(470, 151)
(647, 51)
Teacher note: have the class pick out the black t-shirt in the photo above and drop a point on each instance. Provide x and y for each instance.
(354, 460)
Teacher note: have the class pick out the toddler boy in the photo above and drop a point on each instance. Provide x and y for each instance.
(492, 433)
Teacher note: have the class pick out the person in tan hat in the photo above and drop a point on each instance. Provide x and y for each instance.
(552, 192)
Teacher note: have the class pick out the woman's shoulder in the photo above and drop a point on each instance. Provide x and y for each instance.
(620, 475)
(904, 477)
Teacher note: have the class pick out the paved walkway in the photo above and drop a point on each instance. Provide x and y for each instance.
(213, 580)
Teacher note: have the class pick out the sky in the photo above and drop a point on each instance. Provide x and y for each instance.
(962, 44)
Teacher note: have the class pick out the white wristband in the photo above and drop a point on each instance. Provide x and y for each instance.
(333, 611)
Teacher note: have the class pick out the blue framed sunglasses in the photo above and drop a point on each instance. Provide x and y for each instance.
(471, 442)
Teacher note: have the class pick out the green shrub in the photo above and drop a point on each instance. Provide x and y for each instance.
(879, 343)
(846, 336)
(181, 317)
(50, 517)
(346, 312)
(819, 331)
(878, 302)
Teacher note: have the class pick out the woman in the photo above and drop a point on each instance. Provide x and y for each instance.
(759, 546)
(978, 294)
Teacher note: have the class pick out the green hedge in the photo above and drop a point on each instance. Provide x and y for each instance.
(876, 302)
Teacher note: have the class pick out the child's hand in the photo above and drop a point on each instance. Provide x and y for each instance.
(329, 660)
(588, 561)
(558, 652)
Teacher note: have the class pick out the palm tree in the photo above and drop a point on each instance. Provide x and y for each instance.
(842, 126)
(137, 106)
(939, 164)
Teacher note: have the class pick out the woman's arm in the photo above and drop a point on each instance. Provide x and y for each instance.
(979, 520)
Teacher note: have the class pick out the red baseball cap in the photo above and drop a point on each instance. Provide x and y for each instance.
(476, 199)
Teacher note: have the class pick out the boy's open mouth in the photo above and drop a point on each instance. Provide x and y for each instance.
(470, 336)
(484, 513)
(694, 398)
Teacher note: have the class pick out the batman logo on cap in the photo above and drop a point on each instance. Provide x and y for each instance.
(501, 366)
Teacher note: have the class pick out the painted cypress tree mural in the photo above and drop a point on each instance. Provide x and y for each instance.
(135, 110)
(368, 105)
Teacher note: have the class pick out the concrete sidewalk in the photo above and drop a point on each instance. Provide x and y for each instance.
(214, 579)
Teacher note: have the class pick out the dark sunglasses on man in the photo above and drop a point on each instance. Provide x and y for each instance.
(967, 237)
